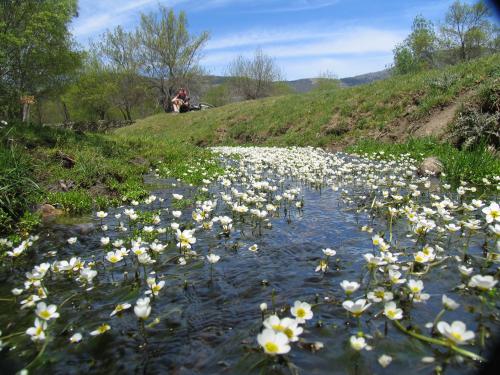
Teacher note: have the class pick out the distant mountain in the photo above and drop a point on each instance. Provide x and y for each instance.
(307, 84)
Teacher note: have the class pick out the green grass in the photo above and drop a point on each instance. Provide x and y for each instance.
(459, 165)
(324, 117)
(107, 169)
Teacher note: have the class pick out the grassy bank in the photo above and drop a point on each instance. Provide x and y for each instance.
(323, 118)
(81, 172)
(459, 165)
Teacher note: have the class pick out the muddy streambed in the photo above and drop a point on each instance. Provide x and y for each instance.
(268, 218)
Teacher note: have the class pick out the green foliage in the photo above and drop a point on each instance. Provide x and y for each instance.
(417, 51)
(218, 95)
(465, 33)
(36, 51)
(321, 118)
(467, 165)
(17, 189)
(478, 121)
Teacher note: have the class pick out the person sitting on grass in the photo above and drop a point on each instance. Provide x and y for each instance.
(181, 101)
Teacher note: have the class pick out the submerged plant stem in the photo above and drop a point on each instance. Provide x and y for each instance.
(465, 353)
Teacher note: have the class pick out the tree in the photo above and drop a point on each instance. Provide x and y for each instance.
(417, 51)
(466, 30)
(119, 51)
(37, 55)
(326, 80)
(170, 55)
(253, 78)
(91, 95)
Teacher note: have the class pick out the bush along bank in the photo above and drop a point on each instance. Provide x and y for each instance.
(76, 172)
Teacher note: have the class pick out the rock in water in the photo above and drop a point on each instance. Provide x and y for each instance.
(47, 211)
(430, 166)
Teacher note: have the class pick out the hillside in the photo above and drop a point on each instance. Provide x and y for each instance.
(391, 109)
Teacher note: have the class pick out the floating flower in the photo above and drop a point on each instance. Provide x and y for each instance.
(456, 332)
(273, 342)
(482, 282)
(449, 304)
(356, 308)
(103, 328)
(358, 343)
(77, 337)
(119, 308)
(349, 286)
(37, 332)
(253, 248)
(46, 312)
(329, 252)
(213, 258)
(301, 311)
(142, 309)
(392, 312)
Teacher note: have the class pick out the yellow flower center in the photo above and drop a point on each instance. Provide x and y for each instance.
(301, 312)
(457, 336)
(271, 347)
(288, 332)
(39, 331)
(278, 327)
(391, 313)
(45, 314)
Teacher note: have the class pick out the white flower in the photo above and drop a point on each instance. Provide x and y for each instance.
(358, 343)
(46, 312)
(186, 238)
(100, 330)
(253, 248)
(384, 360)
(301, 311)
(213, 258)
(482, 282)
(380, 294)
(119, 308)
(457, 332)
(87, 275)
(114, 257)
(416, 286)
(273, 342)
(465, 271)
(72, 240)
(263, 306)
(142, 309)
(177, 196)
(105, 241)
(492, 212)
(77, 337)
(356, 308)
(329, 252)
(349, 286)
(449, 303)
(290, 327)
(177, 214)
(392, 312)
(101, 214)
(37, 332)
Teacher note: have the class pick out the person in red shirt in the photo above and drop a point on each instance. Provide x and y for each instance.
(181, 100)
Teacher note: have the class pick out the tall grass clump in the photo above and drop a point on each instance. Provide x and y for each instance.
(18, 191)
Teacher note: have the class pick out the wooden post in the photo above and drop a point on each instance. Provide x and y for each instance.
(27, 101)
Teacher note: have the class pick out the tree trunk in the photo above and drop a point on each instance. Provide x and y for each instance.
(65, 111)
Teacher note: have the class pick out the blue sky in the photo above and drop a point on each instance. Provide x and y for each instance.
(306, 37)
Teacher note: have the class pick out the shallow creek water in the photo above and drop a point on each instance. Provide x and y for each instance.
(206, 318)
